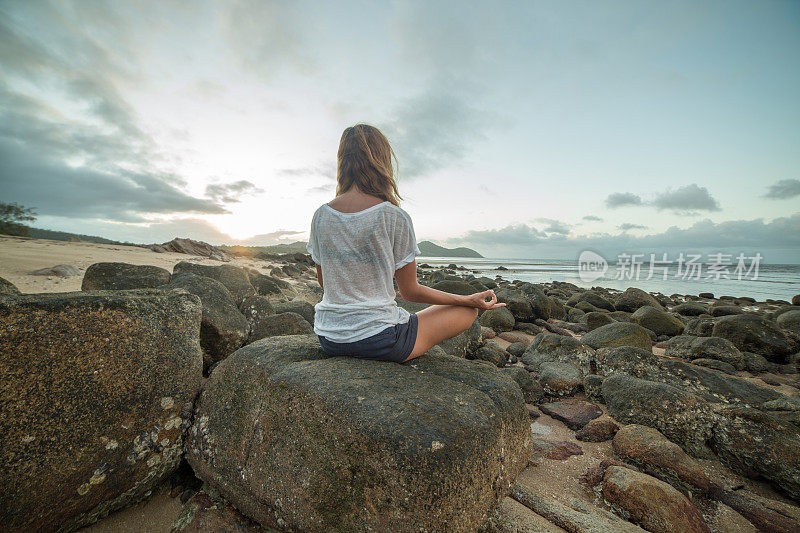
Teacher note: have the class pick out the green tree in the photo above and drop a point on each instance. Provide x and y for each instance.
(12, 217)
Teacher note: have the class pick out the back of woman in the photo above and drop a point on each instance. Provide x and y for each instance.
(360, 241)
(359, 253)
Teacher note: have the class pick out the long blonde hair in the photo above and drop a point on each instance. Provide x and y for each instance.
(365, 160)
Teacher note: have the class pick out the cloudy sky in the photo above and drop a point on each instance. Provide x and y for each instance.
(523, 129)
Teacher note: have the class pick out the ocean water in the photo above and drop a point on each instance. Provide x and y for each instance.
(779, 282)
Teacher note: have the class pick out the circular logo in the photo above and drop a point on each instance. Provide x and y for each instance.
(591, 266)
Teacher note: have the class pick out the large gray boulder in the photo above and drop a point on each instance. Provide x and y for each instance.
(753, 333)
(255, 307)
(715, 386)
(6, 287)
(700, 327)
(559, 379)
(550, 347)
(557, 309)
(710, 385)
(717, 348)
(223, 329)
(466, 343)
(493, 354)
(266, 285)
(123, 276)
(541, 304)
(628, 360)
(633, 298)
(234, 279)
(190, 247)
(756, 444)
(649, 450)
(499, 319)
(690, 309)
(790, 321)
(278, 324)
(518, 303)
(657, 321)
(299, 441)
(651, 503)
(683, 417)
(454, 287)
(61, 271)
(96, 390)
(596, 319)
(594, 299)
(618, 334)
(531, 389)
(725, 310)
(304, 309)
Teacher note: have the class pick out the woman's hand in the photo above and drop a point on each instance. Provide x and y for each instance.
(479, 300)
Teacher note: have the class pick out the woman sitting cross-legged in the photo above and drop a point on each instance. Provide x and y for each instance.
(360, 241)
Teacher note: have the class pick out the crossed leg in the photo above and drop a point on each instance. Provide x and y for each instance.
(439, 322)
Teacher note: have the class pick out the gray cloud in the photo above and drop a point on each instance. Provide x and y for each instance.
(101, 165)
(781, 236)
(592, 218)
(313, 172)
(619, 199)
(435, 129)
(54, 188)
(328, 187)
(554, 226)
(438, 126)
(627, 226)
(324, 170)
(228, 193)
(686, 200)
(783, 190)
(75, 64)
(520, 235)
(267, 36)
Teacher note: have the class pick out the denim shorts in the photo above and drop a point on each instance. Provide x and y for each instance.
(394, 343)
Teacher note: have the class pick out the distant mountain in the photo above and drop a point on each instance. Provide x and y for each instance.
(429, 249)
(299, 246)
(36, 233)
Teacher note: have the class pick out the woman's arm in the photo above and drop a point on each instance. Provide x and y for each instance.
(319, 276)
(412, 291)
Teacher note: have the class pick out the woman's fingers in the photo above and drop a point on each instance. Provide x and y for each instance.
(482, 303)
(492, 299)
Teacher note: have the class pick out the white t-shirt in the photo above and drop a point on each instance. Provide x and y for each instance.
(359, 253)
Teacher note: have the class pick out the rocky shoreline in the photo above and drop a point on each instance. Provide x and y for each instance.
(569, 409)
